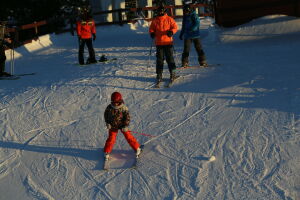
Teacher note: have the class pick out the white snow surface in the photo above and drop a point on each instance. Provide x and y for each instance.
(245, 112)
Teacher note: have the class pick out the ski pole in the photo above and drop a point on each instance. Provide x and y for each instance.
(150, 54)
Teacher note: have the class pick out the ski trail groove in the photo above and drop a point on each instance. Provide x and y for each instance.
(90, 177)
(207, 108)
(35, 191)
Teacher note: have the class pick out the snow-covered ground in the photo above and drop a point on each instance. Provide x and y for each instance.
(246, 112)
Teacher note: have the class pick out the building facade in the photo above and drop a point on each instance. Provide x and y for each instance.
(106, 5)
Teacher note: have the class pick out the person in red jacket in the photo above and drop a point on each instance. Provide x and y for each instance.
(162, 29)
(116, 116)
(86, 30)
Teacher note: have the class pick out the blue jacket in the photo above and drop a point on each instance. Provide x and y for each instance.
(190, 26)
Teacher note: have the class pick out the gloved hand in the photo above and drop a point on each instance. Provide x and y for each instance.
(169, 33)
(94, 37)
(125, 129)
(108, 126)
(181, 36)
(152, 35)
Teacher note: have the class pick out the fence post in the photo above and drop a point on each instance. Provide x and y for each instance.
(120, 17)
(35, 28)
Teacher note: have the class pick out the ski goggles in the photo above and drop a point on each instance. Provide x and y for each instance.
(116, 103)
(83, 23)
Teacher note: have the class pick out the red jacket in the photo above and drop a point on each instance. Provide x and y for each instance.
(160, 25)
(86, 28)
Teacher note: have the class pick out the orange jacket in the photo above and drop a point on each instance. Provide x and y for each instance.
(160, 25)
(86, 28)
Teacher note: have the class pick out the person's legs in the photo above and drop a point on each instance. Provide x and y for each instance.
(159, 62)
(81, 51)
(170, 60)
(131, 140)
(186, 52)
(200, 52)
(109, 144)
(90, 47)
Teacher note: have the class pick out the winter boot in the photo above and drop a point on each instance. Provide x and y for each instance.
(138, 152)
(106, 156)
(203, 63)
(5, 74)
(173, 76)
(91, 61)
(185, 64)
(158, 78)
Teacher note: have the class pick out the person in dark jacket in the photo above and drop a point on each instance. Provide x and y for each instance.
(5, 41)
(190, 32)
(116, 116)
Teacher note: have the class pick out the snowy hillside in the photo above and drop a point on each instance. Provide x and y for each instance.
(245, 112)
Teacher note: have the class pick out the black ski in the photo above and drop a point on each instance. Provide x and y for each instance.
(198, 66)
(107, 61)
(16, 76)
(13, 77)
(26, 74)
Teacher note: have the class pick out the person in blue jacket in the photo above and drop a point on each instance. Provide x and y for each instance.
(190, 32)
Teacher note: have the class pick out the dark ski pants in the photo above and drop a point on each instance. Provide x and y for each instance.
(111, 140)
(2, 59)
(187, 47)
(164, 51)
(89, 44)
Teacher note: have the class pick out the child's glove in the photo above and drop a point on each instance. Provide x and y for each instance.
(125, 129)
(108, 126)
(169, 33)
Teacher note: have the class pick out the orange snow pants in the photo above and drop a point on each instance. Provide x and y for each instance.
(111, 140)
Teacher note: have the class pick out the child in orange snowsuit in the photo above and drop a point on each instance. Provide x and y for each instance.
(162, 29)
(117, 118)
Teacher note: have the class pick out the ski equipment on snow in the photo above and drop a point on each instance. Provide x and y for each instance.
(171, 81)
(12, 77)
(136, 161)
(198, 66)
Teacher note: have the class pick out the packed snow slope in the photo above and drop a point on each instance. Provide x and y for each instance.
(246, 112)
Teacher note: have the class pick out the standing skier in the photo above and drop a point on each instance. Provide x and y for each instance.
(162, 29)
(86, 30)
(5, 41)
(191, 34)
(117, 118)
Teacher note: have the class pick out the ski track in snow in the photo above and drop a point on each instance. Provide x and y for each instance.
(53, 131)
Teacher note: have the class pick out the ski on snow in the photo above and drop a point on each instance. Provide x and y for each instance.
(137, 158)
(104, 62)
(15, 77)
(134, 165)
(198, 66)
(168, 84)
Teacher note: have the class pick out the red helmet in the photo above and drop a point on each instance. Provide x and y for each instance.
(116, 97)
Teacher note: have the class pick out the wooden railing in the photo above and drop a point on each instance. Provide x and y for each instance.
(170, 9)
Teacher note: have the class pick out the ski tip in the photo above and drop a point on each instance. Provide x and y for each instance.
(212, 158)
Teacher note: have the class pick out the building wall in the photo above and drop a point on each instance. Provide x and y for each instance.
(105, 5)
(234, 12)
